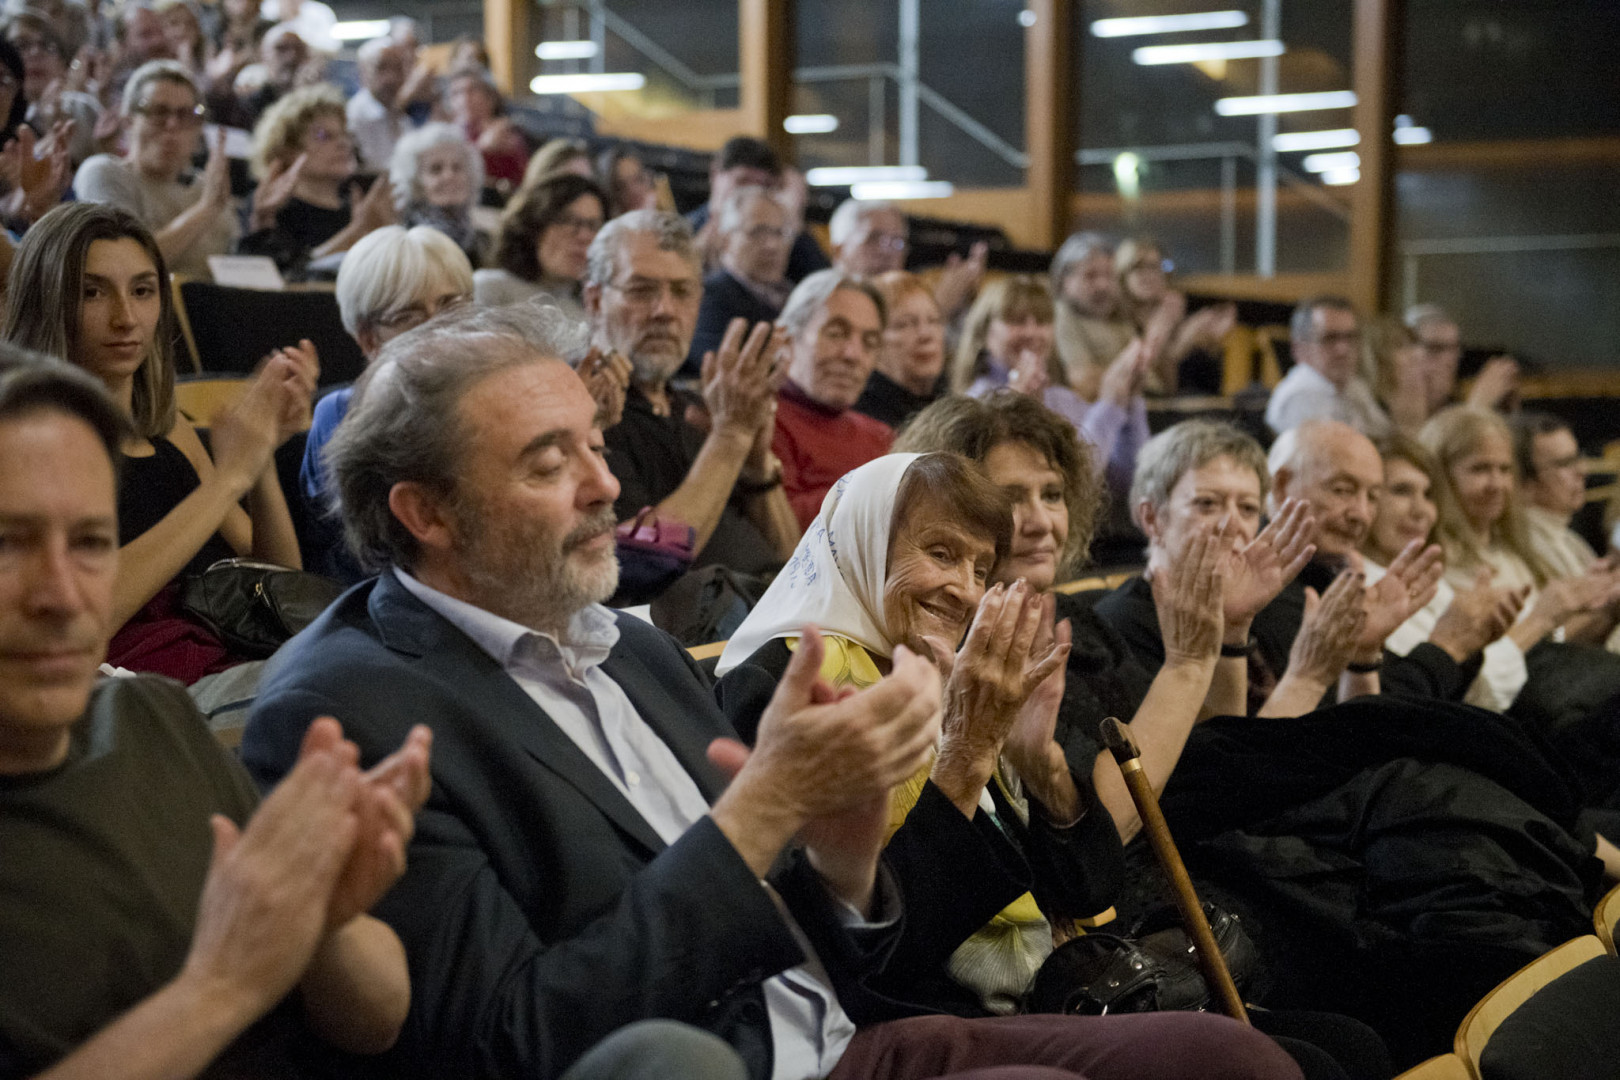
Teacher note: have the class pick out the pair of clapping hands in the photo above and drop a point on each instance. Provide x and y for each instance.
(322, 849)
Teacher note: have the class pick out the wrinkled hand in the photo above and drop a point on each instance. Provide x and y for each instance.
(276, 190)
(1497, 381)
(265, 901)
(1564, 598)
(996, 671)
(1188, 595)
(1160, 327)
(606, 375)
(38, 174)
(1031, 747)
(959, 280)
(1409, 584)
(1330, 632)
(1122, 380)
(1477, 616)
(1255, 573)
(739, 380)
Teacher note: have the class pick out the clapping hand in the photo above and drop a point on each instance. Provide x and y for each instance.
(606, 375)
(1125, 376)
(1255, 573)
(959, 280)
(1330, 632)
(1031, 747)
(1188, 595)
(1409, 584)
(740, 379)
(276, 190)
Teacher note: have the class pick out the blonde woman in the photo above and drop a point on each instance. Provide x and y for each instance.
(1482, 526)
(306, 206)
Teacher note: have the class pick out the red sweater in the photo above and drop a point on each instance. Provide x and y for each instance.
(817, 445)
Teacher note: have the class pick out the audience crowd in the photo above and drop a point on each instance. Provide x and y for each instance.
(489, 816)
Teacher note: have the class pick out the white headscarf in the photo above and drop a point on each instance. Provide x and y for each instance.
(835, 578)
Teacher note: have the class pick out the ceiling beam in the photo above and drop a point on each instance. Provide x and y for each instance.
(1049, 66)
(765, 49)
(1372, 201)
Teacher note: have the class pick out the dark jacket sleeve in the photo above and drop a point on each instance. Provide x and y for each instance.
(1428, 671)
(1077, 871)
(689, 938)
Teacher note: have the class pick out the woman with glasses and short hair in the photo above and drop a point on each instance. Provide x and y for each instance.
(43, 49)
(542, 244)
(392, 281)
(190, 216)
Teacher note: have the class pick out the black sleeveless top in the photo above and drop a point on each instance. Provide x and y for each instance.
(149, 487)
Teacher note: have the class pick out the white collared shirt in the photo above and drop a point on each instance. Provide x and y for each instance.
(563, 676)
(1306, 394)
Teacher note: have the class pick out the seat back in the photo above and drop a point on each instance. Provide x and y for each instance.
(199, 397)
(1607, 918)
(1445, 1067)
(231, 330)
(1483, 1019)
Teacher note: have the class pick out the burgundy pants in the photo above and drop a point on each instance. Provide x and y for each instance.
(1149, 1046)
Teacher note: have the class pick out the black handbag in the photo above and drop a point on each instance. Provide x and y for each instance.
(1152, 969)
(254, 607)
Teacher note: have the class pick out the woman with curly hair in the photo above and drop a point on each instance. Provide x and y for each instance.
(542, 244)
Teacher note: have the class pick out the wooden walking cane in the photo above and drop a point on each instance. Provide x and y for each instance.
(1126, 754)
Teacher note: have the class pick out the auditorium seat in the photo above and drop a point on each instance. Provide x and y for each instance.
(1552, 1018)
(1607, 918)
(1445, 1067)
(229, 330)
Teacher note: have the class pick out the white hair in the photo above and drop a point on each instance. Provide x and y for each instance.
(739, 201)
(368, 53)
(402, 167)
(851, 212)
(392, 266)
(1418, 314)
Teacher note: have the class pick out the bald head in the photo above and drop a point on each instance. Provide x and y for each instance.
(1338, 471)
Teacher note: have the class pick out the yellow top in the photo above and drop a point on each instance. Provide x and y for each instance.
(1001, 958)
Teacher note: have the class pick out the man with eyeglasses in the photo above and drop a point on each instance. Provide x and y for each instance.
(755, 236)
(642, 295)
(1323, 384)
(871, 237)
(1439, 342)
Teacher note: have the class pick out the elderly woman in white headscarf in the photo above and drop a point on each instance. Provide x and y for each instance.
(902, 553)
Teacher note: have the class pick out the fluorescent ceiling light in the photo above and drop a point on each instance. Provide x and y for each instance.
(1168, 24)
(865, 174)
(565, 50)
(810, 124)
(360, 30)
(902, 189)
(1340, 177)
(585, 84)
(1281, 103)
(1315, 140)
(1413, 136)
(1347, 159)
(1208, 50)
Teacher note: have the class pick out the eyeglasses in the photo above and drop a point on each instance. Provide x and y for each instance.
(645, 292)
(330, 134)
(409, 318)
(886, 242)
(27, 46)
(1348, 337)
(578, 224)
(162, 115)
(759, 234)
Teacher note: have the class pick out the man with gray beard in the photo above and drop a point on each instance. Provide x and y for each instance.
(707, 463)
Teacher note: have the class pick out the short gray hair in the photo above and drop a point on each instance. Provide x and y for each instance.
(391, 266)
(739, 201)
(157, 71)
(1418, 314)
(368, 53)
(407, 159)
(670, 230)
(851, 212)
(1191, 444)
(1302, 324)
(1077, 249)
(403, 424)
(812, 294)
